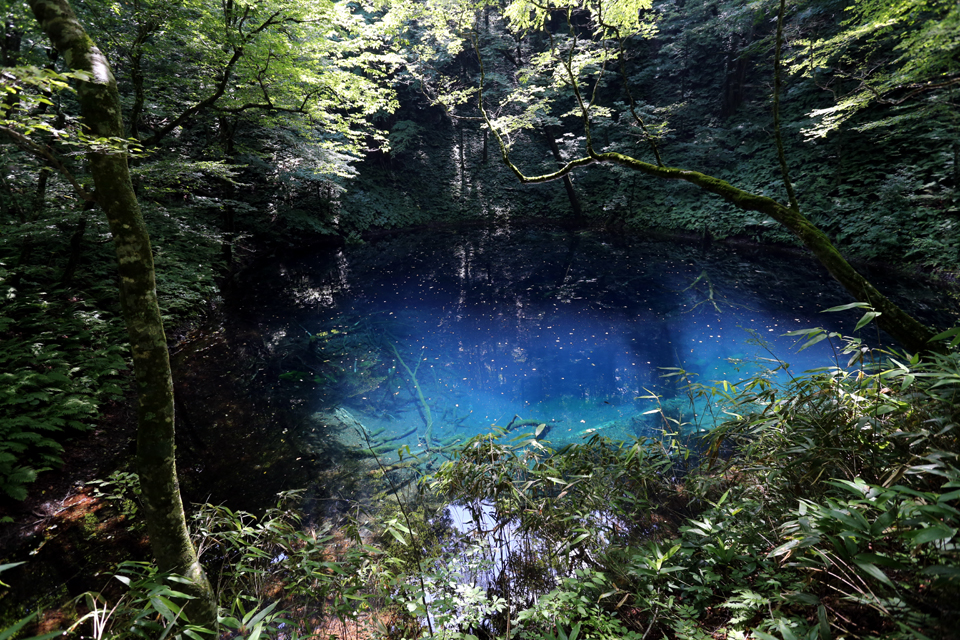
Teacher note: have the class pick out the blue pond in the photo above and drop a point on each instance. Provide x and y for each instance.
(432, 339)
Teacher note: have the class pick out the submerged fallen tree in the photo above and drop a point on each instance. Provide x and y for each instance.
(827, 508)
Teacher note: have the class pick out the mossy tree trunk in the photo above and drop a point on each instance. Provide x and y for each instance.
(906, 329)
(101, 111)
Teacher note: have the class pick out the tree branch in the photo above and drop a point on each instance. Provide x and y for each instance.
(224, 80)
(45, 154)
(918, 88)
(633, 103)
(203, 104)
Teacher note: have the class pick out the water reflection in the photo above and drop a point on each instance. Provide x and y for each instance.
(431, 340)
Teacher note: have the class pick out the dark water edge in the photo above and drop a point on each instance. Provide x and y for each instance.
(241, 427)
(242, 424)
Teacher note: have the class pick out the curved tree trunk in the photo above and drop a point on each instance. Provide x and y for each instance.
(906, 329)
(156, 464)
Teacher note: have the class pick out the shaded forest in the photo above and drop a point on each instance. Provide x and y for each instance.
(227, 134)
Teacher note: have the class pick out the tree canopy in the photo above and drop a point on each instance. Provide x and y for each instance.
(569, 76)
(196, 137)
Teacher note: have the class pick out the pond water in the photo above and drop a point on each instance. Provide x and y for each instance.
(429, 339)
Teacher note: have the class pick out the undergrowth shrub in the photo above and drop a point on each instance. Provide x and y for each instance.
(827, 507)
(63, 345)
(60, 359)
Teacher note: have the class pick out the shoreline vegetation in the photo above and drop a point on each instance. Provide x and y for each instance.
(188, 144)
(854, 446)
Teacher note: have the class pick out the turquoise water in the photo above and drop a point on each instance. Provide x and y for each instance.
(427, 340)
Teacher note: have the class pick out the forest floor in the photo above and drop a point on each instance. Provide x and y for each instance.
(68, 537)
(231, 448)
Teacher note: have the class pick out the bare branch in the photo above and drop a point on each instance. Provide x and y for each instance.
(622, 59)
(919, 87)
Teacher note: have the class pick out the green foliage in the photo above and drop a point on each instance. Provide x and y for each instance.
(59, 360)
(895, 50)
(691, 81)
(577, 608)
(122, 487)
(187, 256)
(26, 107)
(254, 561)
(853, 472)
(826, 508)
(272, 575)
(151, 607)
(298, 61)
(404, 135)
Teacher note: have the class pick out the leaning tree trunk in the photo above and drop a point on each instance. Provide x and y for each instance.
(906, 329)
(903, 327)
(156, 464)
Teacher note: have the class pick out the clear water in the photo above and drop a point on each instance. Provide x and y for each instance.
(570, 330)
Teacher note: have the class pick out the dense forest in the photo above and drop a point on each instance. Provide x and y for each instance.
(156, 155)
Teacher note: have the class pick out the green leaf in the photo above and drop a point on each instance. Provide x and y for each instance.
(229, 622)
(802, 332)
(847, 307)
(866, 319)
(942, 570)
(931, 534)
(949, 333)
(873, 571)
(263, 614)
(11, 631)
(782, 549)
(824, 623)
(815, 340)
(10, 565)
(396, 534)
(580, 538)
(885, 561)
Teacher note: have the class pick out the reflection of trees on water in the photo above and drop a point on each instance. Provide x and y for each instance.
(496, 323)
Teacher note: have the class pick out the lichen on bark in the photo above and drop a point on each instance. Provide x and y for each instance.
(156, 463)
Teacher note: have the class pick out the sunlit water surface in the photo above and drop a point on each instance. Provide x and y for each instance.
(433, 338)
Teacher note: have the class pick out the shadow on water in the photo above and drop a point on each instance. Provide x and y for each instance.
(425, 341)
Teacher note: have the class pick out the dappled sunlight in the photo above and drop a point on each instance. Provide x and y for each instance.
(572, 335)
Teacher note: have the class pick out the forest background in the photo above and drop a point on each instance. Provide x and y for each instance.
(254, 128)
